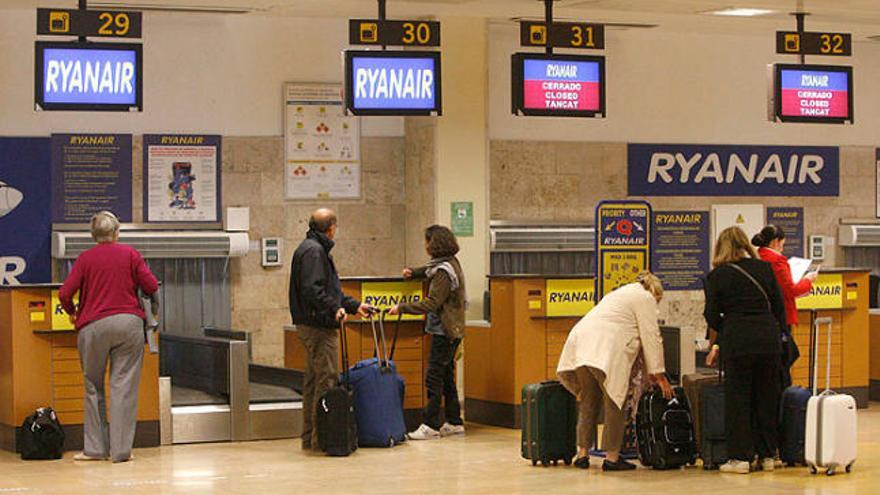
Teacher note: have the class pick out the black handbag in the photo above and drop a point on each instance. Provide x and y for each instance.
(41, 436)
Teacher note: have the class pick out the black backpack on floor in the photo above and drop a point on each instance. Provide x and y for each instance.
(41, 436)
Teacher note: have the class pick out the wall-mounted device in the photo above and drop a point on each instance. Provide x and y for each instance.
(817, 247)
(271, 251)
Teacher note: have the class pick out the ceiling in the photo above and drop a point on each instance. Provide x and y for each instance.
(862, 17)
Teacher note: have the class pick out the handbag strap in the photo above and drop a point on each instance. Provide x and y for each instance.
(757, 284)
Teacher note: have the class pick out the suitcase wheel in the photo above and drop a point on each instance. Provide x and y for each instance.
(534, 462)
(568, 463)
(829, 472)
(555, 462)
(849, 468)
(813, 470)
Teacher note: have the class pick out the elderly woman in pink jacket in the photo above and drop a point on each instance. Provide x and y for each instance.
(598, 358)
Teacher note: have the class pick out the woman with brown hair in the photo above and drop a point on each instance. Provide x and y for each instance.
(744, 306)
(445, 307)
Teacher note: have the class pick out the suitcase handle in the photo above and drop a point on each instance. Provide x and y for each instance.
(818, 322)
(343, 345)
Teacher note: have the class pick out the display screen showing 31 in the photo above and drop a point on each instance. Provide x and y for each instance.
(808, 93)
(561, 85)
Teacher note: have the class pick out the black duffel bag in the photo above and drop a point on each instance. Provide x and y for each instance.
(41, 436)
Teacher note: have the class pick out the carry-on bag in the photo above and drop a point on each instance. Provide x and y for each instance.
(693, 384)
(41, 436)
(793, 424)
(665, 430)
(832, 421)
(379, 392)
(549, 423)
(336, 425)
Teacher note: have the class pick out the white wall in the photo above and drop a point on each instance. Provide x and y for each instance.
(675, 86)
(203, 73)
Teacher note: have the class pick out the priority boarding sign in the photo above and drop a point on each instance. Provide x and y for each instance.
(623, 243)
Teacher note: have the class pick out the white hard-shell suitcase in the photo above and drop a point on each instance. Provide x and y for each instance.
(832, 421)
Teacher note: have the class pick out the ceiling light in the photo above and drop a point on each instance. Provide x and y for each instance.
(739, 12)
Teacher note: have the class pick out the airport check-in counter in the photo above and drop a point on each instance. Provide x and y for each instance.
(40, 367)
(842, 294)
(874, 358)
(413, 345)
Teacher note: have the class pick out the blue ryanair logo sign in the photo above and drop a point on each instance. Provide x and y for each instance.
(732, 170)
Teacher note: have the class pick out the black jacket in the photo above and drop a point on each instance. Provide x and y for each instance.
(738, 310)
(315, 292)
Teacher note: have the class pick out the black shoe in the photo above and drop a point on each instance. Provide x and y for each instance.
(582, 462)
(620, 465)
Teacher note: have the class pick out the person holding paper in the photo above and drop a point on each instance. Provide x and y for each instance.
(770, 243)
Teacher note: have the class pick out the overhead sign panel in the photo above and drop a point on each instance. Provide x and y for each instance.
(93, 76)
(813, 43)
(393, 33)
(393, 83)
(562, 35)
(93, 23)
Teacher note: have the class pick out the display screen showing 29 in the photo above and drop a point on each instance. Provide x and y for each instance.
(561, 85)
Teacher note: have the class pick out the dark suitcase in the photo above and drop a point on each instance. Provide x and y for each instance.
(549, 423)
(665, 430)
(336, 425)
(693, 385)
(793, 425)
(713, 439)
(41, 436)
(378, 394)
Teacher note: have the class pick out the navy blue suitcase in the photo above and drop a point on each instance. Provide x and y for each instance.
(793, 424)
(378, 395)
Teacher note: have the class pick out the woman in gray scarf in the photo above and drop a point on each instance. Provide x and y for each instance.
(445, 307)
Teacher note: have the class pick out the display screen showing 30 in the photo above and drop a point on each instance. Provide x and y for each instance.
(818, 94)
(562, 85)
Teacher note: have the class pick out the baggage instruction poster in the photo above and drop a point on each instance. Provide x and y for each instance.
(623, 243)
(322, 156)
(182, 178)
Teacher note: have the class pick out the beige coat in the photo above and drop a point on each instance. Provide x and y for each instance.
(610, 338)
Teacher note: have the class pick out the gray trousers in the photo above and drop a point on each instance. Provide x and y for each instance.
(322, 372)
(119, 338)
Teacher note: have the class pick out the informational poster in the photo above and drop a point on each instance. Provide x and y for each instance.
(385, 295)
(680, 248)
(90, 173)
(570, 297)
(732, 170)
(623, 243)
(791, 220)
(750, 218)
(182, 178)
(462, 216)
(321, 144)
(25, 228)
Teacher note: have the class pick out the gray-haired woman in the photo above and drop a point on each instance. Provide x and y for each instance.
(109, 319)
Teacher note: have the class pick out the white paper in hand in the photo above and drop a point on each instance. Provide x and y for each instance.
(799, 267)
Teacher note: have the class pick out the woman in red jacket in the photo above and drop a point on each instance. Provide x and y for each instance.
(770, 243)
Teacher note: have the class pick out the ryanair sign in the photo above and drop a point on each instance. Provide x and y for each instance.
(827, 293)
(385, 295)
(570, 297)
(732, 170)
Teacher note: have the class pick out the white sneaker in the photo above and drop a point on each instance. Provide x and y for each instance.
(424, 432)
(449, 429)
(82, 456)
(735, 467)
(768, 464)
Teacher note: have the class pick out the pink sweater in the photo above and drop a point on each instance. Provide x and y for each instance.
(107, 278)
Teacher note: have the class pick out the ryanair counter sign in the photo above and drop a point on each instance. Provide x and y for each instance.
(732, 170)
(385, 295)
(570, 297)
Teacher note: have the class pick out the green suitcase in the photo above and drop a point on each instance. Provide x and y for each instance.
(549, 423)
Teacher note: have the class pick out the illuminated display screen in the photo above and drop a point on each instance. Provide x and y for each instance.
(558, 85)
(393, 83)
(807, 93)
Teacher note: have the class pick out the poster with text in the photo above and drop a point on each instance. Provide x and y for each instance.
(680, 248)
(623, 243)
(182, 178)
(791, 220)
(322, 156)
(90, 173)
(25, 229)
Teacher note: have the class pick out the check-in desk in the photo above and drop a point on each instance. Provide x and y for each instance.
(874, 357)
(532, 316)
(413, 345)
(40, 367)
(843, 295)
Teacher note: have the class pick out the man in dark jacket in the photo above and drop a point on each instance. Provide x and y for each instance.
(317, 305)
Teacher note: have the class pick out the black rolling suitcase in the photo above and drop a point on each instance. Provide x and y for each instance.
(549, 423)
(336, 424)
(665, 430)
(713, 438)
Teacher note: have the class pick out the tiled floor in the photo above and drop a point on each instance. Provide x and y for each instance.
(486, 461)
